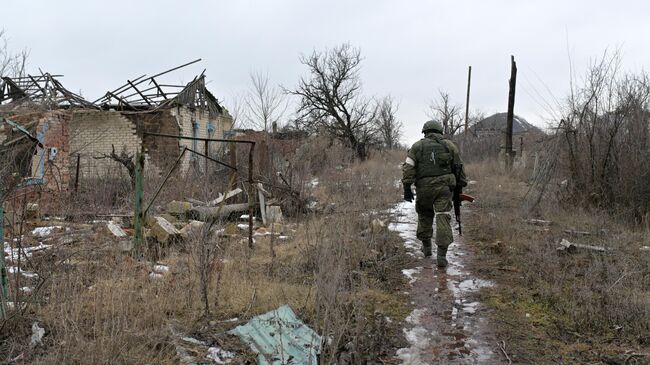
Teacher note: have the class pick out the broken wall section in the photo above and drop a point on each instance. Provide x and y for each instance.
(93, 135)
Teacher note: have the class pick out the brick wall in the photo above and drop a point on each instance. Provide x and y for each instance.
(160, 152)
(186, 117)
(93, 133)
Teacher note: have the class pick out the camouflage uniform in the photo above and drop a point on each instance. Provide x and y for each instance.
(434, 165)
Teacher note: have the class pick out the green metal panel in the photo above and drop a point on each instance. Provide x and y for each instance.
(280, 338)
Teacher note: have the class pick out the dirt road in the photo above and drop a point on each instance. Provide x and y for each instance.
(448, 324)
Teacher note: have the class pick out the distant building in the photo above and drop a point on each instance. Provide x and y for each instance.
(496, 124)
(486, 138)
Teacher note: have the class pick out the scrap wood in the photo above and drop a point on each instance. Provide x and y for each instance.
(221, 197)
(565, 245)
(196, 202)
(538, 222)
(577, 233)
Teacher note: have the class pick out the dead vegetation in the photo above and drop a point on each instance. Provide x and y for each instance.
(560, 306)
(336, 267)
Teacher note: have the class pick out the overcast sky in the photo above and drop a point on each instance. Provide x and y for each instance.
(411, 49)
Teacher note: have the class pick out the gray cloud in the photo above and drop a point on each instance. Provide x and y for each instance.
(411, 48)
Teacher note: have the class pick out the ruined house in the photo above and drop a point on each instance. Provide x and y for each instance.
(83, 139)
(486, 138)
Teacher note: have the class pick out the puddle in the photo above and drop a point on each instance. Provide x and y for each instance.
(447, 325)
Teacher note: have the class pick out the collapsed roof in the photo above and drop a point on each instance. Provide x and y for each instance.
(140, 94)
(44, 89)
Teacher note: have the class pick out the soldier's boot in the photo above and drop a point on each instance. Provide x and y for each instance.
(426, 247)
(441, 257)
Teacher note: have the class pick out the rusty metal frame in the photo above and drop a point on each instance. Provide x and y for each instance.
(251, 197)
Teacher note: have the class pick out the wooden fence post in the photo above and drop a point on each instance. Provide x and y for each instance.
(138, 214)
(511, 112)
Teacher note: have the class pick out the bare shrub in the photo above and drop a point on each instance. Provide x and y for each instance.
(586, 296)
(604, 140)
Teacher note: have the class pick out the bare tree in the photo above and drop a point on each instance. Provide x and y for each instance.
(390, 129)
(449, 115)
(266, 103)
(331, 99)
(237, 109)
(11, 64)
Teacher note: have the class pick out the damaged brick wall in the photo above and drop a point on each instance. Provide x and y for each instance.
(160, 152)
(94, 133)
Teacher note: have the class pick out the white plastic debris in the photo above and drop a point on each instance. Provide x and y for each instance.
(155, 275)
(37, 335)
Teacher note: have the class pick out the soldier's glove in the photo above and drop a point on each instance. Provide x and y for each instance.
(408, 194)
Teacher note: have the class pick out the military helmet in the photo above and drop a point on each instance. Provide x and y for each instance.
(432, 125)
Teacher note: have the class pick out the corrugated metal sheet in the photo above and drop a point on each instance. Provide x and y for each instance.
(280, 338)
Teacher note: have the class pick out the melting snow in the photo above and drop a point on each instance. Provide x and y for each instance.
(14, 253)
(160, 268)
(220, 356)
(417, 338)
(410, 274)
(44, 231)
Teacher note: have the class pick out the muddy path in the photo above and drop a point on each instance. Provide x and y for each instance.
(448, 325)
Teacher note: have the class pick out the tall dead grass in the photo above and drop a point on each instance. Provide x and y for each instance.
(99, 306)
(586, 296)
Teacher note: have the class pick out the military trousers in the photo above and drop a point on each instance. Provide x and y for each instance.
(434, 199)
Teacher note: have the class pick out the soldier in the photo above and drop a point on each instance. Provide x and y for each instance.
(434, 165)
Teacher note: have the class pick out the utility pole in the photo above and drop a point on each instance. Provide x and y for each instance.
(511, 113)
(469, 82)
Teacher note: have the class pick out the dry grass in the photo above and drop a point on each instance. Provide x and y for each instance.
(582, 307)
(100, 306)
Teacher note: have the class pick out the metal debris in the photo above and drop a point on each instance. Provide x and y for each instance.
(279, 338)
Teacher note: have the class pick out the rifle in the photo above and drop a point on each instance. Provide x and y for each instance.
(458, 198)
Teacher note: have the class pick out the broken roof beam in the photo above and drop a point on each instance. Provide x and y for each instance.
(119, 90)
(174, 69)
(139, 92)
(160, 90)
(121, 101)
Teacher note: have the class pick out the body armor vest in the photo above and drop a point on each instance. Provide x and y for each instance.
(433, 158)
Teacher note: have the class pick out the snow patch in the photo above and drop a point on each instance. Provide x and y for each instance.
(161, 269)
(418, 339)
(220, 356)
(410, 274)
(44, 231)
